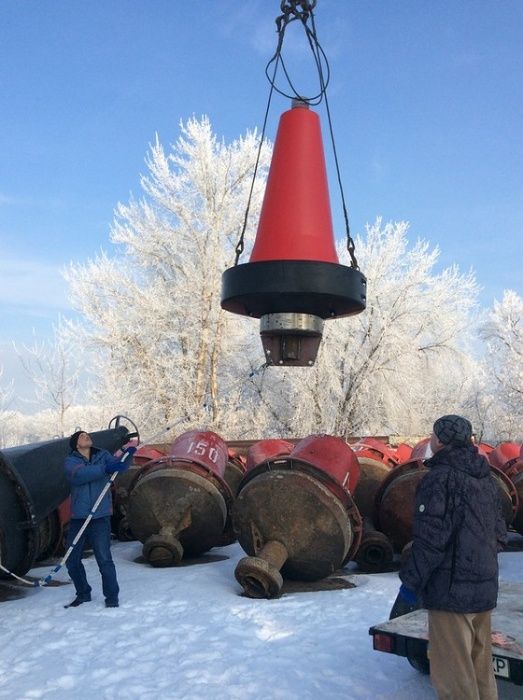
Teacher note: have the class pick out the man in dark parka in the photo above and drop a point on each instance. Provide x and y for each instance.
(453, 568)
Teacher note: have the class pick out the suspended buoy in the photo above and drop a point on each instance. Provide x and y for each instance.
(293, 281)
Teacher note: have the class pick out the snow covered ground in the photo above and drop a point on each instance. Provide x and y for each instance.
(188, 633)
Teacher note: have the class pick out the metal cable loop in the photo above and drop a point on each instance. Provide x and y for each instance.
(302, 11)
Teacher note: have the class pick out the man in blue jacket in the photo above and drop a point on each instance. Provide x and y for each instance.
(88, 469)
(453, 568)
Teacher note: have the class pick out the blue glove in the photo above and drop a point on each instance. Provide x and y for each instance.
(116, 467)
(129, 452)
(408, 596)
(123, 462)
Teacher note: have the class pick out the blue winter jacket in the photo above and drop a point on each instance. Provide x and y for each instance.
(458, 530)
(88, 478)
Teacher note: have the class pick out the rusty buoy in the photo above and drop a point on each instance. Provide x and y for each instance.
(375, 552)
(395, 502)
(179, 504)
(123, 485)
(514, 471)
(295, 515)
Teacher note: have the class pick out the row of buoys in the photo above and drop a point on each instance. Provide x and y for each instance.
(300, 509)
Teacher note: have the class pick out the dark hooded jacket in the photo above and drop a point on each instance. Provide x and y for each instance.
(458, 531)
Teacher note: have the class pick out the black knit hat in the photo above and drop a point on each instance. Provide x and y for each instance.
(453, 430)
(74, 439)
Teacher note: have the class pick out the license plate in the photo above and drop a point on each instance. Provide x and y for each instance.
(501, 667)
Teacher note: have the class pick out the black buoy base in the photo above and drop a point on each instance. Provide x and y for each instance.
(323, 289)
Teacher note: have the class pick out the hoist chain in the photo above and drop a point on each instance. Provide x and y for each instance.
(303, 11)
(290, 8)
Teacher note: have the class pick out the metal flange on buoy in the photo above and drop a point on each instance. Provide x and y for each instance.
(295, 516)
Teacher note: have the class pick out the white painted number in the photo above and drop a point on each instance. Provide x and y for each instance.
(201, 447)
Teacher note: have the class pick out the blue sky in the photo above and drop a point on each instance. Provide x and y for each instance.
(426, 99)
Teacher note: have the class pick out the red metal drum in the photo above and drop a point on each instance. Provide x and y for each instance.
(484, 449)
(234, 471)
(372, 474)
(503, 453)
(205, 448)
(52, 530)
(145, 453)
(267, 449)
(376, 449)
(331, 455)
(403, 452)
(122, 487)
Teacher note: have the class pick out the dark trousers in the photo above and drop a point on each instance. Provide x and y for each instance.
(98, 532)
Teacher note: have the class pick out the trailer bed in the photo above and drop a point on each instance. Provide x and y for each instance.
(407, 635)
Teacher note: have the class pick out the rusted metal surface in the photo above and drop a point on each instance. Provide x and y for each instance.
(175, 511)
(123, 485)
(375, 552)
(503, 453)
(234, 471)
(515, 474)
(395, 502)
(508, 494)
(295, 516)
(293, 508)
(372, 474)
(260, 576)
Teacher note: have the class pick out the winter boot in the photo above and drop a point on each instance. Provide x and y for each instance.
(85, 598)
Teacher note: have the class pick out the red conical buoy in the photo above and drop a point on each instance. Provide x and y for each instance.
(295, 220)
(294, 280)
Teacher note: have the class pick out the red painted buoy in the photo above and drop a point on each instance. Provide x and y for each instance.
(295, 220)
(294, 513)
(180, 503)
(293, 281)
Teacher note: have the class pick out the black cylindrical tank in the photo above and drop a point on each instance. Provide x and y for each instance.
(32, 485)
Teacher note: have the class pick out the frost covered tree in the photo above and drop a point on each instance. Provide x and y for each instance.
(396, 366)
(152, 324)
(54, 366)
(503, 362)
(164, 350)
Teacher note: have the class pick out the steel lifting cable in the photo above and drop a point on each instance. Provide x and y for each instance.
(302, 11)
(46, 580)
